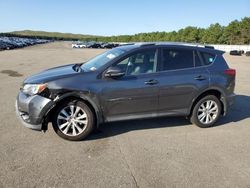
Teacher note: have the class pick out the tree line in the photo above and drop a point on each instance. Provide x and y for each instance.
(49, 35)
(236, 32)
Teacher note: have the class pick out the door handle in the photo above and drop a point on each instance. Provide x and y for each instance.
(200, 78)
(151, 82)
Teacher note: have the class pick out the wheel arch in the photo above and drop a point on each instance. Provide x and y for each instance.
(219, 93)
(74, 96)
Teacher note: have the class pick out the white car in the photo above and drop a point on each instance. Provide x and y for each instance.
(78, 45)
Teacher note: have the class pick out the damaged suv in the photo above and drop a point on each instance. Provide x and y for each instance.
(129, 82)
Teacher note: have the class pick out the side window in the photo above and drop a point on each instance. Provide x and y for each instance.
(139, 63)
(174, 59)
(207, 58)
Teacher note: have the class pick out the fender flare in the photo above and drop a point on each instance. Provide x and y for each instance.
(211, 88)
(81, 95)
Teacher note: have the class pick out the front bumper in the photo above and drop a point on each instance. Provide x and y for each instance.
(31, 110)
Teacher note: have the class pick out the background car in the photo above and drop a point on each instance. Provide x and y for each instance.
(79, 45)
(8, 43)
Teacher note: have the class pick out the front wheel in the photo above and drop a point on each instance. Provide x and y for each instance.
(206, 111)
(73, 120)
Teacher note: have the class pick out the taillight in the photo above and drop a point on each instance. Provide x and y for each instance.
(231, 72)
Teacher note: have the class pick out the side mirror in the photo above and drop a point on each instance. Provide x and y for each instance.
(114, 72)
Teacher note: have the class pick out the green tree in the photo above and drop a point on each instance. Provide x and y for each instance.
(213, 34)
(245, 31)
(232, 32)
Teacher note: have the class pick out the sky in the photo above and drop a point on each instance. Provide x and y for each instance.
(116, 17)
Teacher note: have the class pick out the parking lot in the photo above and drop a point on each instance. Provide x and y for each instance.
(163, 152)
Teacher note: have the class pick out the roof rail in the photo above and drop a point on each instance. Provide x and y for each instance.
(210, 47)
(127, 44)
(146, 44)
(170, 43)
(197, 45)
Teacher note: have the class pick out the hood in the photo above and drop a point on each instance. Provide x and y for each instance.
(51, 74)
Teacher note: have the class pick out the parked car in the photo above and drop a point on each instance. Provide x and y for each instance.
(93, 45)
(79, 45)
(7, 43)
(247, 53)
(3, 46)
(235, 52)
(129, 82)
(109, 45)
(106, 45)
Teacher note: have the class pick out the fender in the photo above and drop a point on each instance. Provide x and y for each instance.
(82, 95)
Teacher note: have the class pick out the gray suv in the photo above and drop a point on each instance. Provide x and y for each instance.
(129, 82)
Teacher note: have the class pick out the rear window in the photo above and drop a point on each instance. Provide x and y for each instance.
(174, 59)
(207, 58)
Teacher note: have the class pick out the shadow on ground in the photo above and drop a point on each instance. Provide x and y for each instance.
(239, 111)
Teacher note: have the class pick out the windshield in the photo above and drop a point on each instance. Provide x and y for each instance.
(100, 60)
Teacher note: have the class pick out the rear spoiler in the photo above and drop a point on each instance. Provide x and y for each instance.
(212, 47)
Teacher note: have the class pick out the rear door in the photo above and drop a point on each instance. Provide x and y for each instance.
(182, 77)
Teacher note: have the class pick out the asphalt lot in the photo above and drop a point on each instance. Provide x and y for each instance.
(165, 152)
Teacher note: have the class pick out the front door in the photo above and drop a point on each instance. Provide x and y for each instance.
(134, 95)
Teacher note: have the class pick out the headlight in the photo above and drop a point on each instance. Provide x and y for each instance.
(32, 89)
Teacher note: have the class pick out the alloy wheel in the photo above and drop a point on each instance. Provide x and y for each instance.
(72, 120)
(208, 112)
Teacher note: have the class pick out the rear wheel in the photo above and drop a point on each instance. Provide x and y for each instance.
(73, 120)
(206, 111)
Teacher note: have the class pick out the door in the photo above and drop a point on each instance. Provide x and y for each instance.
(135, 95)
(182, 77)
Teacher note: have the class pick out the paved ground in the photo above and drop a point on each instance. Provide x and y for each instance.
(166, 152)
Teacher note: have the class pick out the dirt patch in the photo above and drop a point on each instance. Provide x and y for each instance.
(11, 73)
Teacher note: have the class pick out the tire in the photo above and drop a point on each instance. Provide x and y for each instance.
(73, 126)
(198, 113)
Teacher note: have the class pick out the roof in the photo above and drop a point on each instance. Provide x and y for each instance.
(131, 46)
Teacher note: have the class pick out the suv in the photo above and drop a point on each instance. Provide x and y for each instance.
(129, 82)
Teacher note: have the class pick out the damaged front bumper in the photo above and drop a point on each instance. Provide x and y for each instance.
(31, 110)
